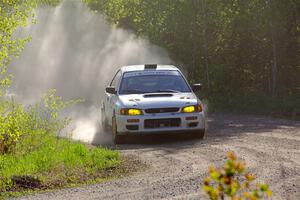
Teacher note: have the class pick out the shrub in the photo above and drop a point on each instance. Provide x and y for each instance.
(233, 181)
(18, 123)
(12, 121)
(31, 154)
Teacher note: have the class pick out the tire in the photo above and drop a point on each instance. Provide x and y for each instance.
(115, 137)
(200, 134)
(104, 122)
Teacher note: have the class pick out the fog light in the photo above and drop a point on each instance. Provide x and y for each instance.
(191, 118)
(193, 124)
(133, 120)
(132, 127)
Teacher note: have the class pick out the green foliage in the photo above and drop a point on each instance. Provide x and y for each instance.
(54, 161)
(29, 147)
(53, 104)
(12, 119)
(233, 181)
(13, 15)
(17, 122)
(227, 45)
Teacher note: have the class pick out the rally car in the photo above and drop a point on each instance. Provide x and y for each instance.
(151, 99)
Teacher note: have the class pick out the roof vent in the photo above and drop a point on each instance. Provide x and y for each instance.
(158, 95)
(150, 66)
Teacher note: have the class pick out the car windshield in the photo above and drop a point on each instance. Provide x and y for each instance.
(155, 82)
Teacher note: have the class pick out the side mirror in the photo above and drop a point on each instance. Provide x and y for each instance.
(196, 87)
(111, 90)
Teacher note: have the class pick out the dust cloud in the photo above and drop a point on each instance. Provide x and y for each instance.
(76, 51)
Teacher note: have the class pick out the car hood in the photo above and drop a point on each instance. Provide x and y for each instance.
(158, 100)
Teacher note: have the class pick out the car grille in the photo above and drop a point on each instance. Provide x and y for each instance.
(161, 123)
(161, 110)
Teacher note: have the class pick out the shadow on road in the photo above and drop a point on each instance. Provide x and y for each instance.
(228, 125)
(220, 127)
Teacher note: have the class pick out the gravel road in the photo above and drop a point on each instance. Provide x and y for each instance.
(271, 147)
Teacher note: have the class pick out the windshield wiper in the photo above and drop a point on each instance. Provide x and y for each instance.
(132, 91)
(166, 90)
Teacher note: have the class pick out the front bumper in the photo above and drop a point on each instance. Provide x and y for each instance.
(189, 122)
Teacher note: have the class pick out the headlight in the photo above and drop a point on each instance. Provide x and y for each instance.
(130, 111)
(192, 109)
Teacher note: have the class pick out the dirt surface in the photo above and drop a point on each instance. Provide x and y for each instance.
(271, 147)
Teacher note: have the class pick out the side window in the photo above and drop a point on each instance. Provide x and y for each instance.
(116, 79)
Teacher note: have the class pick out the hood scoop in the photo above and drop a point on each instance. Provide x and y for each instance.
(158, 95)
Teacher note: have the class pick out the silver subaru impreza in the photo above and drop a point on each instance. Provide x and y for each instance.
(151, 99)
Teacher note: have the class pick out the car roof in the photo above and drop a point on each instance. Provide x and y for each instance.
(142, 68)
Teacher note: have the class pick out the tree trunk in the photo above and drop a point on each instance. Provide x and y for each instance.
(205, 43)
(274, 67)
(274, 51)
(195, 5)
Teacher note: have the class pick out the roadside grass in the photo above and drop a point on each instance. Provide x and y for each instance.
(33, 158)
(58, 163)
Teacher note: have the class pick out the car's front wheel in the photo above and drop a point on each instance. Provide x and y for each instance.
(104, 122)
(115, 135)
(200, 134)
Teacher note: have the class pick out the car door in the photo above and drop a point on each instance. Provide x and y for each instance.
(111, 99)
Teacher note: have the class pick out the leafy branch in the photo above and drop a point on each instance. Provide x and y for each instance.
(234, 181)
